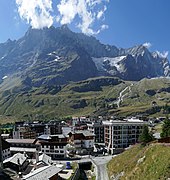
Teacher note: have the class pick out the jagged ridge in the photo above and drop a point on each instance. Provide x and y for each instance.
(58, 56)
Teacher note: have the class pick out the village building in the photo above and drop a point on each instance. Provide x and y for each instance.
(5, 136)
(28, 146)
(44, 173)
(5, 149)
(44, 159)
(119, 134)
(23, 133)
(18, 162)
(31, 130)
(81, 141)
(96, 127)
(53, 145)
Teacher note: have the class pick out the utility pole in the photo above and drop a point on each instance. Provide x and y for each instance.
(1, 162)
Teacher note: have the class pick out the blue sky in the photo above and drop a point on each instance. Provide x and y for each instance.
(130, 22)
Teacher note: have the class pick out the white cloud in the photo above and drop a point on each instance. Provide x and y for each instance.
(147, 45)
(84, 13)
(36, 12)
(67, 10)
(104, 26)
(162, 55)
(84, 10)
(100, 14)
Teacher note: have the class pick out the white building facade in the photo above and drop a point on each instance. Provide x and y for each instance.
(119, 134)
(54, 151)
(53, 145)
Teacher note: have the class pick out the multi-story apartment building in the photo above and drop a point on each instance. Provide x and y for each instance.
(80, 123)
(80, 120)
(97, 128)
(119, 134)
(53, 128)
(32, 130)
(24, 133)
(53, 145)
(27, 146)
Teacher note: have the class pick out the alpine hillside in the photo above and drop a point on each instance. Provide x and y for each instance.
(55, 72)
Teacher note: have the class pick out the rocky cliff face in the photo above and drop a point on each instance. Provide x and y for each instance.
(134, 64)
(58, 56)
(47, 56)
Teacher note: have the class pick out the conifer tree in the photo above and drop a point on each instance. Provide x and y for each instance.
(166, 128)
(145, 136)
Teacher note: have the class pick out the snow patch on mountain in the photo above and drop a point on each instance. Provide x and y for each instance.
(4, 77)
(57, 59)
(2, 57)
(166, 68)
(54, 54)
(111, 62)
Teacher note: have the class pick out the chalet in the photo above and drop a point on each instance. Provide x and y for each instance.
(18, 162)
(44, 173)
(81, 140)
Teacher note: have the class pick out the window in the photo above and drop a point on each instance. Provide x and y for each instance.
(61, 151)
(51, 147)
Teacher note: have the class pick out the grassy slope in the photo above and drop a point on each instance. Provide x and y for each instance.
(139, 101)
(34, 103)
(155, 165)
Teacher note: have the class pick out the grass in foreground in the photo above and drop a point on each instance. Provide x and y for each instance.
(154, 163)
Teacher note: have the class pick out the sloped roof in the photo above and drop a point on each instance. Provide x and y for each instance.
(45, 159)
(17, 159)
(43, 173)
(44, 137)
(23, 141)
(84, 132)
(48, 137)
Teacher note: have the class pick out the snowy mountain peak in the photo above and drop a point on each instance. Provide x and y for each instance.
(137, 50)
(69, 56)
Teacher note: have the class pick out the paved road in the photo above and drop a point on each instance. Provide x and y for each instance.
(101, 162)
